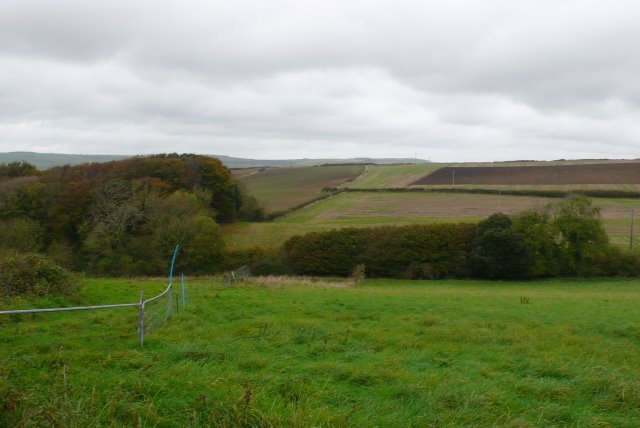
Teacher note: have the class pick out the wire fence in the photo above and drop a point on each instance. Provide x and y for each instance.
(45, 329)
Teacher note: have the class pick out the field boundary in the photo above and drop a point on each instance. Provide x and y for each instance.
(593, 193)
(140, 305)
(555, 194)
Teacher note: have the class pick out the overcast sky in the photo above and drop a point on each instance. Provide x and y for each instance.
(450, 80)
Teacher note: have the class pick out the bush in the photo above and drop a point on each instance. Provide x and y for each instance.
(499, 251)
(34, 275)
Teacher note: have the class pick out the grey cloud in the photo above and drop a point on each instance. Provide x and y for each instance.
(457, 80)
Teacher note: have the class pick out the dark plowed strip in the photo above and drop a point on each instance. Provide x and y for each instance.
(607, 173)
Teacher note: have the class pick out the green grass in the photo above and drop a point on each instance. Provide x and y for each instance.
(392, 176)
(386, 353)
(282, 188)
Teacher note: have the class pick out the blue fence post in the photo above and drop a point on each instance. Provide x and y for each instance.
(173, 262)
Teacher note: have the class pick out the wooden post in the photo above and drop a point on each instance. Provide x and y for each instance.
(141, 319)
(631, 232)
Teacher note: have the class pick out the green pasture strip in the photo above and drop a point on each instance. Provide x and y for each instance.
(385, 353)
(389, 176)
(273, 234)
(282, 188)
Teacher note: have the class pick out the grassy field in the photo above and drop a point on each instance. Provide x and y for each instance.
(282, 188)
(391, 176)
(381, 208)
(385, 353)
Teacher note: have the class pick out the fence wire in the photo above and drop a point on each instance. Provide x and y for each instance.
(43, 332)
(157, 311)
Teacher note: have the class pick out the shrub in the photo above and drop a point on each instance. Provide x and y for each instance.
(335, 252)
(34, 275)
(499, 251)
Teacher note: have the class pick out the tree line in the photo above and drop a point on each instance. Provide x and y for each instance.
(567, 239)
(123, 217)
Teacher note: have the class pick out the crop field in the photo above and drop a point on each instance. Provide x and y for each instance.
(391, 176)
(606, 173)
(282, 188)
(383, 353)
(364, 209)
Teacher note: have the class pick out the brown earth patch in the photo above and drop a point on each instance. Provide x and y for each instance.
(608, 173)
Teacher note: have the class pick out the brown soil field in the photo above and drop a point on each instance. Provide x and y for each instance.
(607, 173)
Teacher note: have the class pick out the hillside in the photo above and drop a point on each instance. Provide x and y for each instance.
(280, 189)
(49, 160)
(402, 194)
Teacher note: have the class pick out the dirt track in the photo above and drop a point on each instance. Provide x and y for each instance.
(609, 173)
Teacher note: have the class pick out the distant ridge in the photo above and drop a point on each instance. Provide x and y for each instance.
(49, 160)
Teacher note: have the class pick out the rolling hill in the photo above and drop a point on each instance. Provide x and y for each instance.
(48, 160)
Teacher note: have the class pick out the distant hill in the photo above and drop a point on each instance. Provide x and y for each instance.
(49, 160)
(232, 162)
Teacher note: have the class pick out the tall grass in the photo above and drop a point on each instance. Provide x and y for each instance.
(384, 353)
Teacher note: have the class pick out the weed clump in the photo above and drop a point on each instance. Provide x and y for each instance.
(359, 274)
(34, 275)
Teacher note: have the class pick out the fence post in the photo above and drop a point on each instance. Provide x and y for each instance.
(141, 319)
(184, 297)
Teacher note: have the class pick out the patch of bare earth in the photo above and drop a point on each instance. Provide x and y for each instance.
(605, 173)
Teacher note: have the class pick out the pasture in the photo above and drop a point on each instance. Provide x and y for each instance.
(391, 176)
(368, 209)
(383, 353)
(279, 189)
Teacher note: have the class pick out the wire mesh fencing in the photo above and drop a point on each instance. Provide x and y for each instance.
(157, 311)
(53, 328)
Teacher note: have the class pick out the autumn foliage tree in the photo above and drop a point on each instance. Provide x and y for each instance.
(125, 217)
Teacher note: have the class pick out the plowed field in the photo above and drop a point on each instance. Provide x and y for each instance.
(609, 173)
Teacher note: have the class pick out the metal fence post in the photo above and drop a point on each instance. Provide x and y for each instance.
(141, 319)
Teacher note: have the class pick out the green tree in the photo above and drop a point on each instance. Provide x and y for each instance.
(498, 251)
(579, 234)
(537, 230)
(21, 234)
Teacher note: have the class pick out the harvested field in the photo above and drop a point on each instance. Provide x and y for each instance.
(282, 188)
(606, 173)
(421, 204)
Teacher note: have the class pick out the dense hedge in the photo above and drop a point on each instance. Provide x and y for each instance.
(417, 251)
(561, 239)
